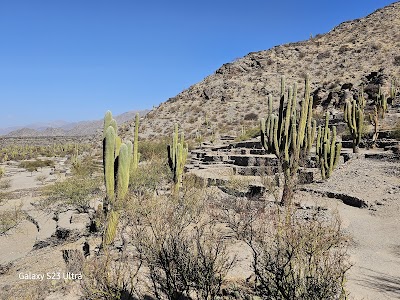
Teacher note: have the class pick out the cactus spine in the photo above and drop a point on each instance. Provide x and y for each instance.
(354, 117)
(177, 155)
(327, 149)
(290, 134)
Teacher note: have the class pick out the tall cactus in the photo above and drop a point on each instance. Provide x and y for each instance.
(108, 163)
(177, 155)
(135, 161)
(290, 134)
(380, 107)
(393, 89)
(354, 117)
(122, 172)
(327, 149)
(116, 165)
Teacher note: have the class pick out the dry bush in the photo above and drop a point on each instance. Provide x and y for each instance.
(294, 256)
(41, 178)
(11, 218)
(109, 277)
(181, 247)
(5, 184)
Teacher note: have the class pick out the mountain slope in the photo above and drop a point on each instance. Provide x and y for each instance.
(363, 51)
(71, 129)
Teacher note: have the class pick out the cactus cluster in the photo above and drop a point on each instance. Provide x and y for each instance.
(117, 158)
(177, 155)
(354, 117)
(290, 133)
(327, 149)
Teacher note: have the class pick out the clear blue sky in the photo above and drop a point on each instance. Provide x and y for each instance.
(74, 59)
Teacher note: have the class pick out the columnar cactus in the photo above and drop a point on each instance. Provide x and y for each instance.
(380, 107)
(177, 155)
(111, 228)
(290, 134)
(122, 172)
(117, 158)
(393, 89)
(327, 149)
(108, 163)
(135, 161)
(381, 103)
(354, 117)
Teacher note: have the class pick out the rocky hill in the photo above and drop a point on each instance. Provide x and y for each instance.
(359, 52)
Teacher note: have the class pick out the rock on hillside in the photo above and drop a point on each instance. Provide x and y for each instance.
(363, 51)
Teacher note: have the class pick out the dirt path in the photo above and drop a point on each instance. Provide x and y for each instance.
(375, 250)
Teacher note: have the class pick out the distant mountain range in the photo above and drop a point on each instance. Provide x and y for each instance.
(63, 128)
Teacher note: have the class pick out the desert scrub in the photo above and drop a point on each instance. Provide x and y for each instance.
(76, 191)
(296, 254)
(34, 165)
(41, 178)
(109, 277)
(10, 218)
(5, 184)
(153, 148)
(248, 133)
(184, 251)
(151, 176)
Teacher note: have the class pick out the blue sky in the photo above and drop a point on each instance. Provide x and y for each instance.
(74, 59)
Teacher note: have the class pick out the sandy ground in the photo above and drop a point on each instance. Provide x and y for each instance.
(374, 251)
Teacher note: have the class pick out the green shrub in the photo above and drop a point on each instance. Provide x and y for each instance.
(76, 191)
(35, 164)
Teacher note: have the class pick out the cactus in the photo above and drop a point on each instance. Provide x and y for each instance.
(290, 134)
(381, 103)
(111, 228)
(380, 107)
(117, 157)
(327, 149)
(107, 122)
(177, 155)
(122, 172)
(108, 163)
(354, 117)
(135, 161)
(393, 89)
